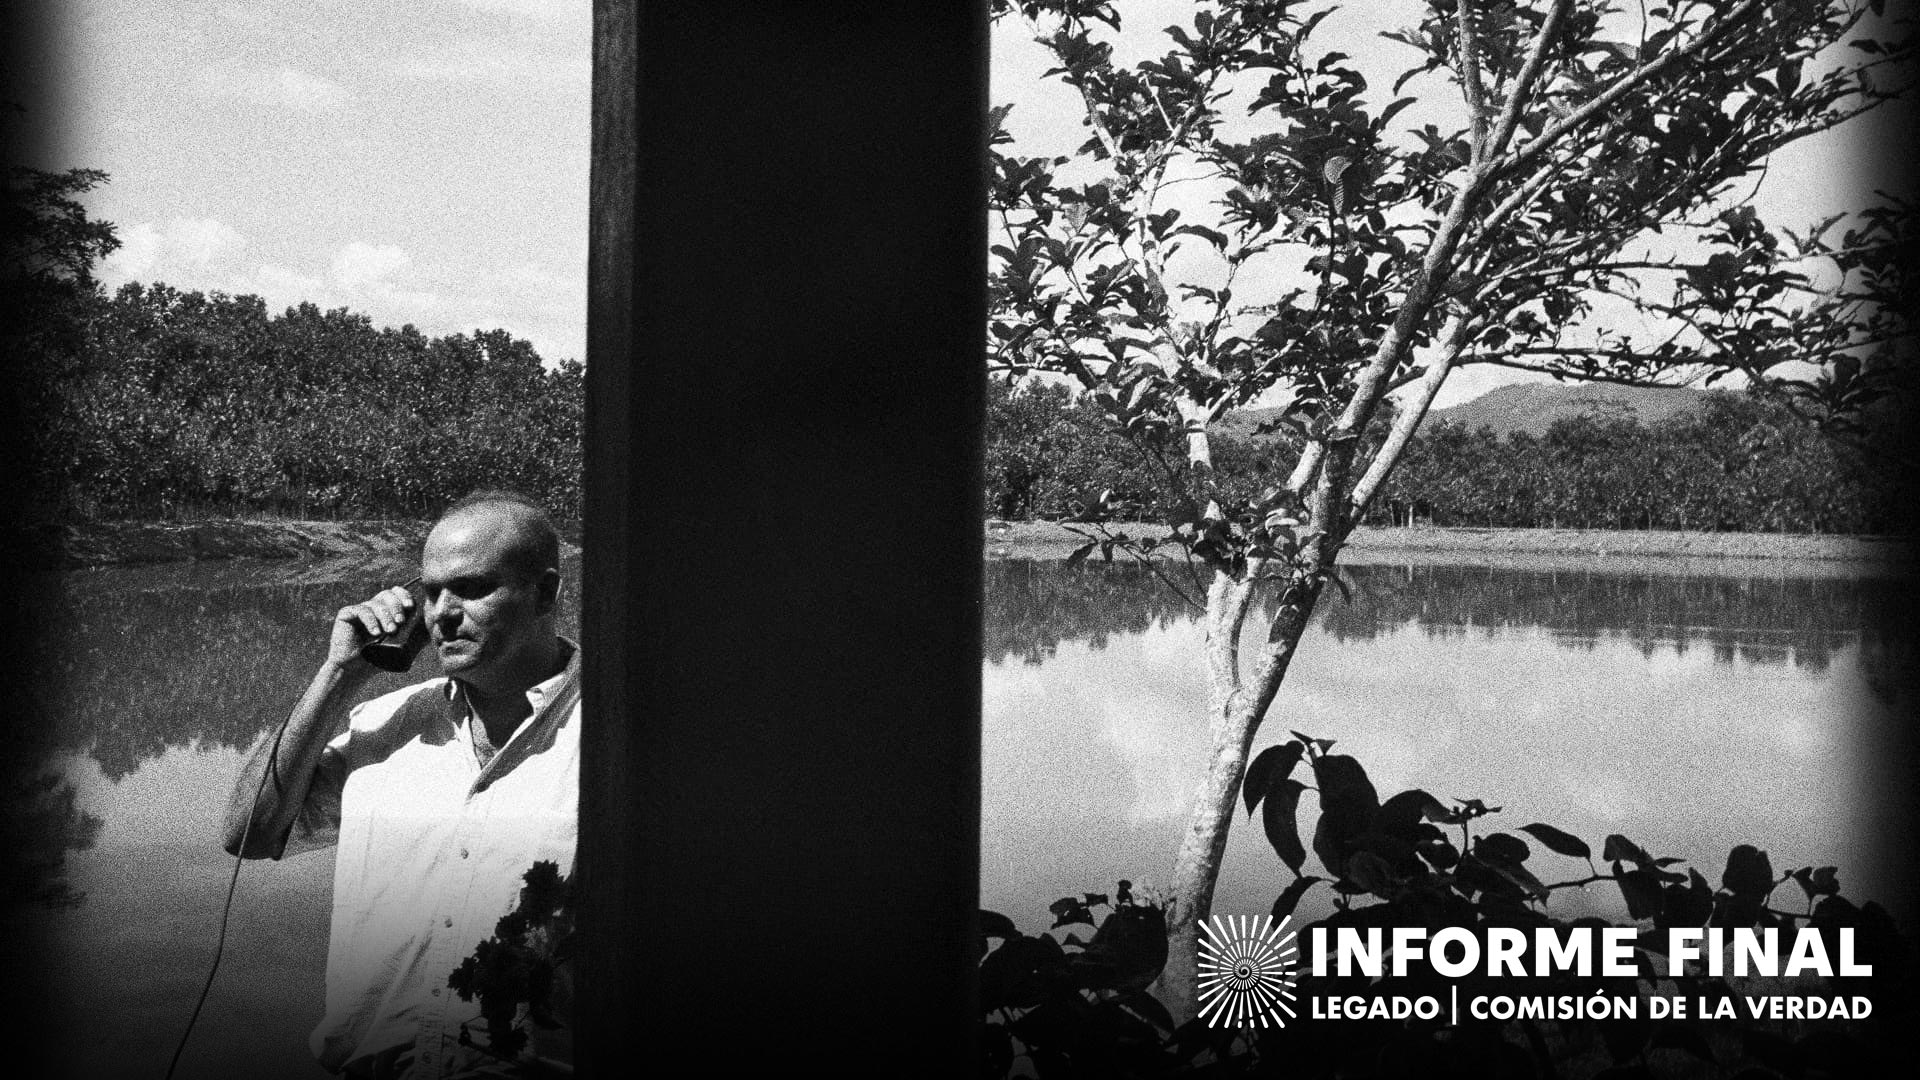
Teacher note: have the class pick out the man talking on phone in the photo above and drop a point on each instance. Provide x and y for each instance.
(439, 796)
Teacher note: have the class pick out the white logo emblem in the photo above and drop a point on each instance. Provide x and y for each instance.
(1246, 971)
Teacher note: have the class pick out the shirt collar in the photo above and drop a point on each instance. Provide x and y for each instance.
(539, 692)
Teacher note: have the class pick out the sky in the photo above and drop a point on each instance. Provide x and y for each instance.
(427, 162)
(423, 162)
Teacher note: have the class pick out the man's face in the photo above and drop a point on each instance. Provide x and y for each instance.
(484, 613)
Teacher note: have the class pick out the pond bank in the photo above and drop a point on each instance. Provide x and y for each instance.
(1048, 540)
(126, 543)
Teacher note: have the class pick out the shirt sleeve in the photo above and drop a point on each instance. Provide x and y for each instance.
(318, 823)
(371, 727)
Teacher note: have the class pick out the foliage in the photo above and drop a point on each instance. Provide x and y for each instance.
(182, 401)
(1246, 221)
(50, 240)
(1739, 463)
(1412, 861)
(156, 402)
(1077, 1007)
(1587, 129)
(1051, 453)
(519, 966)
(41, 816)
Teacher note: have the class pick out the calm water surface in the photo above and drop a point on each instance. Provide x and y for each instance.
(159, 681)
(1689, 711)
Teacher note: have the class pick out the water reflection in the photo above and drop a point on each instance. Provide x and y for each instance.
(1688, 711)
(151, 685)
(1032, 607)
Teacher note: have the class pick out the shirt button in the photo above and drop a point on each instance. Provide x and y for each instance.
(463, 853)
(449, 923)
(436, 991)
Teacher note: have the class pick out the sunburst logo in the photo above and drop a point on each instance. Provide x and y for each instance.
(1246, 971)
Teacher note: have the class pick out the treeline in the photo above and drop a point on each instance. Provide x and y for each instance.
(163, 403)
(1736, 463)
(152, 402)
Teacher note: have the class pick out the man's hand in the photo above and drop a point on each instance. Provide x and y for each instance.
(357, 624)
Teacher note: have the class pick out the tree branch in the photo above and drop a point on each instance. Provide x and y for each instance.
(1408, 421)
(1621, 88)
(1523, 83)
(1618, 380)
(1470, 79)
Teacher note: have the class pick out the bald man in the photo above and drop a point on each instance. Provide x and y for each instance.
(439, 796)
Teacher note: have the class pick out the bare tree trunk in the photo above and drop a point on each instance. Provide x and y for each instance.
(1235, 710)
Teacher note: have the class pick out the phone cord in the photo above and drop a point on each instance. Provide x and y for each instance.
(226, 909)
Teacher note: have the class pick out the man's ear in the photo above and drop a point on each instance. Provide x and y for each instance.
(546, 594)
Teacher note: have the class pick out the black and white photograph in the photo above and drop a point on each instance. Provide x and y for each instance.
(1016, 538)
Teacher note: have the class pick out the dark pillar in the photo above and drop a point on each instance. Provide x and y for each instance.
(780, 811)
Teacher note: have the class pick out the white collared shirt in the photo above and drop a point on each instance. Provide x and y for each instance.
(432, 852)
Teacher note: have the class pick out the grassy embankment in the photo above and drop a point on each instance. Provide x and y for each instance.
(1048, 540)
(132, 542)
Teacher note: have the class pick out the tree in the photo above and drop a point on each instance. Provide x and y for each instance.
(1246, 222)
(48, 246)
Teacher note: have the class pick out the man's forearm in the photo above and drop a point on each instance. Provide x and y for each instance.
(263, 812)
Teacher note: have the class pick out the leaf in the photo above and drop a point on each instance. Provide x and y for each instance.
(1270, 766)
(1618, 848)
(1558, 842)
(1641, 890)
(1399, 815)
(1391, 111)
(1080, 553)
(1212, 236)
(1502, 849)
(1345, 790)
(1128, 950)
(994, 924)
(1289, 897)
(1016, 974)
(1748, 872)
(1347, 807)
(1279, 818)
(1370, 872)
(1068, 910)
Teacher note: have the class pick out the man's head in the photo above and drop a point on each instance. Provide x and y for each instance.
(491, 573)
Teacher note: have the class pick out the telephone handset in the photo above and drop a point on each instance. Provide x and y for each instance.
(395, 651)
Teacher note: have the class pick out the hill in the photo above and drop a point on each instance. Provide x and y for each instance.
(1533, 407)
(1529, 407)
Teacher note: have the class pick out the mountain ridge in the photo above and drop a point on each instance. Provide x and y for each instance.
(1529, 407)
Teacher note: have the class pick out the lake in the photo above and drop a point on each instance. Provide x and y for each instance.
(1687, 706)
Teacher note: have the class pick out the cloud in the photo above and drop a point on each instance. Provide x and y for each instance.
(249, 16)
(282, 87)
(310, 93)
(181, 252)
(200, 242)
(139, 250)
(534, 9)
(361, 265)
(540, 301)
(504, 63)
(282, 287)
